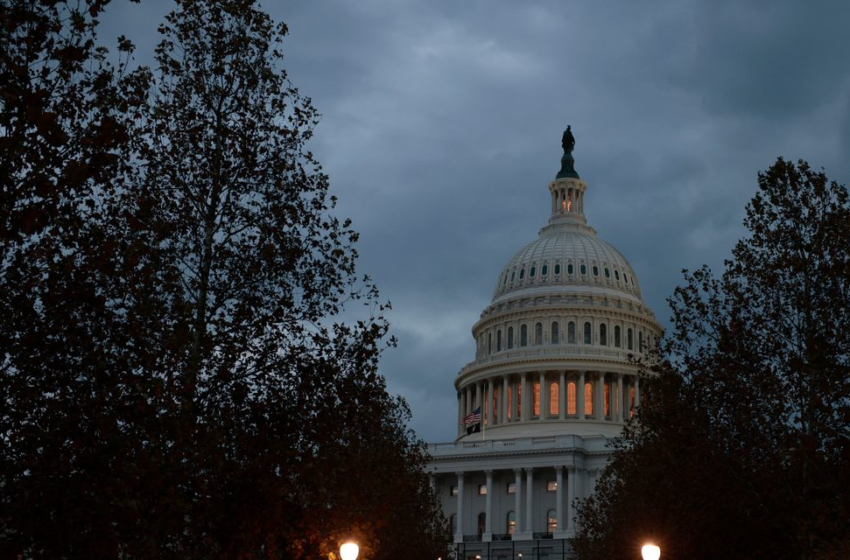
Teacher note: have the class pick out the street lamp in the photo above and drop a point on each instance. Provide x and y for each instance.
(349, 551)
(650, 552)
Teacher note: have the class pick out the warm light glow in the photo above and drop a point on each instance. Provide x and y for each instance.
(569, 205)
(563, 205)
(650, 552)
(349, 551)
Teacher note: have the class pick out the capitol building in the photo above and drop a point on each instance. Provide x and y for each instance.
(553, 380)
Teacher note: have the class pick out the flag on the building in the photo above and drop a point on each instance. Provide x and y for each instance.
(472, 421)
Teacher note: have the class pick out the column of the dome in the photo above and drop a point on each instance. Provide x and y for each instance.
(478, 399)
(491, 411)
(562, 394)
(612, 398)
(599, 396)
(504, 404)
(637, 391)
(620, 397)
(543, 395)
(580, 396)
(524, 396)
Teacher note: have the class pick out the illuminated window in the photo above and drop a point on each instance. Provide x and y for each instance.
(570, 269)
(453, 490)
(571, 333)
(607, 403)
(588, 334)
(629, 341)
(607, 273)
(510, 337)
(569, 205)
(511, 523)
(509, 403)
(538, 334)
(511, 488)
(532, 272)
(535, 409)
(544, 270)
(595, 270)
(583, 270)
(554, 337)
(571, 397)
(632, 401)
(617, 341)
(482, 489)
(603, 335)
(519, 401)
(498, 341)
(557, 269)
(588, 398)
(552, 486)
(553, 399)
(523, 335)
(551, 521)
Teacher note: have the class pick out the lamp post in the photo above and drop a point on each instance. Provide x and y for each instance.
(650, 552)
(349, 551)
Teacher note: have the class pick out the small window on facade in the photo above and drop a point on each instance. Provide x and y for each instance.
(583, 270)
(552, 486)
(511, 523)
(510, 337)
(498, 341)
(521, 274)
(571, 397)
(617, 338)
(571, 333)
(603, 335)
(607, 273)
(544, 270)
(588, 334)
(554, 398)
(523, 335)
(588, 398)
(482, 489)
(511, 487)
(557, 269)
(617, 275)
(538, 334)
(629, 339)
(533, 270)
(551, 521)
(453, 491)
(554, 333)
(595, 270)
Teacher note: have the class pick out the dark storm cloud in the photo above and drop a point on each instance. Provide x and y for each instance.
(442, 121)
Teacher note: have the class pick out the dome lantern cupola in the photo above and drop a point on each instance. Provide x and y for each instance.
(567, 190)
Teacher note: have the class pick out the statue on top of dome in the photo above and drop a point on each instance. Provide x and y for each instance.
(568, 141)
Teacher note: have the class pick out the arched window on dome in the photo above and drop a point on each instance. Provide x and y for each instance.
(510, 338)
(510, 523)
(499, 340)
(616, 275)
(595, 270)
(521, 273)
(607, 272)
(557, 269)
(538, 334)
(571, 333)
(617, 337)
(544, 270)
(570, 269)
(523, 335)
(583, 270)
(554, 396)
(532, 272)
(629, 339)
(554, 337)
(588, 398)
(535, 405)
(571, 398)
(588, 333)
(603, 335)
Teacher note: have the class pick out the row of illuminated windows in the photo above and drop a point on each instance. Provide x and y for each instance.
(554, 397)
(551, 486)
(519, 274)
(507, 339)
(510, 522)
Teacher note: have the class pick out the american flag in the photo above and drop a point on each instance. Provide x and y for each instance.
(473, 418)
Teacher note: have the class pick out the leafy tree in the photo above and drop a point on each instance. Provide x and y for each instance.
(173, 378)
(743, 448)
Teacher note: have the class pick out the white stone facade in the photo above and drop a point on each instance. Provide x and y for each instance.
(555, 379)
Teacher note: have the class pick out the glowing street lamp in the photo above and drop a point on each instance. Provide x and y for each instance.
(650, 552)
(349, 551)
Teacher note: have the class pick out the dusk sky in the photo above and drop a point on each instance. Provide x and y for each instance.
(442, 122)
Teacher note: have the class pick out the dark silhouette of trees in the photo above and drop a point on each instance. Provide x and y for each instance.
(174, 378)
(743, 446)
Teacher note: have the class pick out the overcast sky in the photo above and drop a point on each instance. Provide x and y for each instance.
(442, 122)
